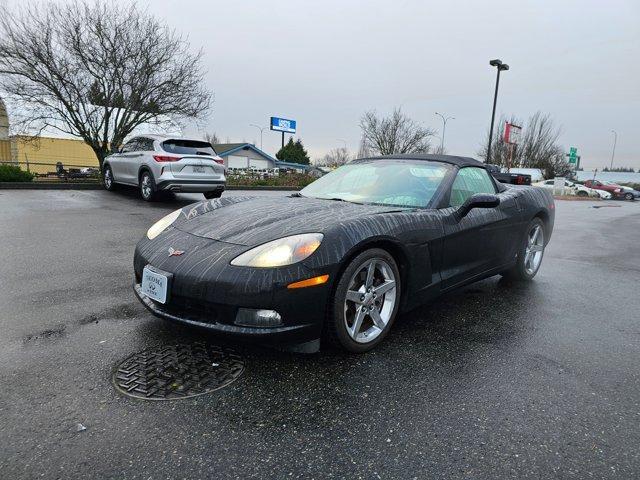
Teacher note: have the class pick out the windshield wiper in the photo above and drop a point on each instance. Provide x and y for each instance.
(337, 199)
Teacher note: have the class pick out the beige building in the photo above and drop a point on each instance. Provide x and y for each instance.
(41, 154)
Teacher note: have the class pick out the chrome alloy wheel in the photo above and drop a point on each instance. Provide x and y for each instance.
(534, 250)
(146, 186)
(108, 180)
(370, 300)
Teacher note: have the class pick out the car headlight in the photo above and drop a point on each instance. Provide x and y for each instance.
(281, 252)
(162, 224)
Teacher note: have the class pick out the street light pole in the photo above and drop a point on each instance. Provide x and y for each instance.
(261, 130)
(500, 66)
(613, 153)
(444, 127)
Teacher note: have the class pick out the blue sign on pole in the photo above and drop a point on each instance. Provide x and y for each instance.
(283, 125)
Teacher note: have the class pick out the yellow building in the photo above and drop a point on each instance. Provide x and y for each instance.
(41, 154)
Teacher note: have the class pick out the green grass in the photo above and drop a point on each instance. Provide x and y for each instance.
(12, 173)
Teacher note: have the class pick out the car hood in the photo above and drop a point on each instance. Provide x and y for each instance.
(255, 220)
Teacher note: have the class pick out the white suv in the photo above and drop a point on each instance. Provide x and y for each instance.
(156, 163)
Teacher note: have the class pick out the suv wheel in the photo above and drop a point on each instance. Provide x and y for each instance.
(107, 179)
(147, 186)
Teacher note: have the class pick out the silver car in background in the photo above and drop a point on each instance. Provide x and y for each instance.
(156, 163)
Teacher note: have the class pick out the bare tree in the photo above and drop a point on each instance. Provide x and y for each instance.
(500, 149)
(212, 138)
(440, 150)
(538, 147)
(364, 150)
(394, 134)
(98, 70)
(335, 158)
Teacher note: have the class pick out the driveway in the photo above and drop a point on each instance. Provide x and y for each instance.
(493, 381)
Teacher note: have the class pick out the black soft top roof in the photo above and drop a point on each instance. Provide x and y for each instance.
(452, 159)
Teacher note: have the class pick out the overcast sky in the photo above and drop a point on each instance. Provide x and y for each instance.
(323, 63)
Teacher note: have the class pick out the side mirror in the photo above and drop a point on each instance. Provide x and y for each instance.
(477, 200)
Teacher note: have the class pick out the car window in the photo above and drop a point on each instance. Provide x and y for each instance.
(130, 146)
(188, 147)
(145, 144)
(470, 180)
(403, 183)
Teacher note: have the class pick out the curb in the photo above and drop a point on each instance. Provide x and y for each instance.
(263, 187)
(98, 186)
(50, 186)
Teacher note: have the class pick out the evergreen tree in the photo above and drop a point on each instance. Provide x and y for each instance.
(293, 152)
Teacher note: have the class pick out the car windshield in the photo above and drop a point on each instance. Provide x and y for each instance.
(188, 147)
(402, 183)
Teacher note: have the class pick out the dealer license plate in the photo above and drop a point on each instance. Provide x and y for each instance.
(154, 285)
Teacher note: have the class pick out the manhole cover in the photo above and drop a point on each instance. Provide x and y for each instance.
(177, 371)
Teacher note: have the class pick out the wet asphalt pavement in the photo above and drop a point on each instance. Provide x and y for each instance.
(494, 381)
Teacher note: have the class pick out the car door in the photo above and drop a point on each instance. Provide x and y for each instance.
(485, 238)
(116, 162)
(145, 148)
(130, 159)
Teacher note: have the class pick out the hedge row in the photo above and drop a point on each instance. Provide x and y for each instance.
(291, 180)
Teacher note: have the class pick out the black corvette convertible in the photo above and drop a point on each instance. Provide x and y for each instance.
(340, 259)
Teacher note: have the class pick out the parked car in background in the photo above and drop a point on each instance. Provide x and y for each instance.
(628, 191)
(505, 177)
(614, 189)
(572, 188)
(156, 163)
(535, 173)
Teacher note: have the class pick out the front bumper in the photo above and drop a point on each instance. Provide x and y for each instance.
(196, 317)
(206, 291)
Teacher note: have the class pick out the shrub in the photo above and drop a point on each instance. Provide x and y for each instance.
(291, 180)
(12, 173)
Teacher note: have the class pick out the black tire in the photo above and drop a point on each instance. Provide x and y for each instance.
(582, 193)
(628, 196)
(214, 194)
(521, 272)
(147, 186)
(336, 328)
(107, 179)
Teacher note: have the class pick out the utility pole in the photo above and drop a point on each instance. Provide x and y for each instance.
(444, 127)
(613, 153)
(500, 66)
(261, 130)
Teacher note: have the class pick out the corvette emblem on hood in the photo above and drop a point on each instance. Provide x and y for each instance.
(175, 253)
